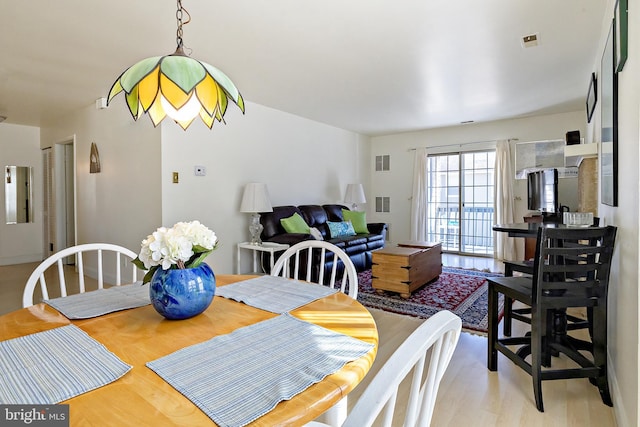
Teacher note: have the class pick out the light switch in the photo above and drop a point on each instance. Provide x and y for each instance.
(175, 178)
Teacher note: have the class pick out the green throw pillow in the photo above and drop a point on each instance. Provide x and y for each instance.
(358, 219)
(295, 224)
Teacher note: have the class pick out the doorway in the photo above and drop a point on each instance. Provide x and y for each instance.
(59, 227)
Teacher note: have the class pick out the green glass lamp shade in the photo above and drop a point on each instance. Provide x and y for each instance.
(178, 86)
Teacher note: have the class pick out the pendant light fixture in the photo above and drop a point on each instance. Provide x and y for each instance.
(177, 86)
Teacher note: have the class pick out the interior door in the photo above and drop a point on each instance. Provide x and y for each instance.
(59, 184)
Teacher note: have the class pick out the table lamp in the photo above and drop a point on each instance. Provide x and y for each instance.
(354, 195)
(255, 200)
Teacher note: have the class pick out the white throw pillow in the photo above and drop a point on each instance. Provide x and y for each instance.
(315, 233)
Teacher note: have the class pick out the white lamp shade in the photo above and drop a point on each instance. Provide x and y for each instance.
(255, 198)
(355, 194)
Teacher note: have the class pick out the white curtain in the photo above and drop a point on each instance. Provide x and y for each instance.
(419, 196)
(504, 247)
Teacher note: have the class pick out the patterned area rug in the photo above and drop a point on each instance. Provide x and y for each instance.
(463, 292)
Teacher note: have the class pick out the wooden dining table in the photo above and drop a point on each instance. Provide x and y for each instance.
(140, 335)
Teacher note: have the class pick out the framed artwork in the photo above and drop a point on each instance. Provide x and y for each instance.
(608, 124)
(622, 29)
(592, 97)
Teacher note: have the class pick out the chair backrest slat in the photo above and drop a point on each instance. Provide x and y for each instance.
(80, 264)
(100, 274)
(63, 284)
(43, 287)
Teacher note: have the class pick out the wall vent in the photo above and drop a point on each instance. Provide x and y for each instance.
(383, 204)
(382, 163)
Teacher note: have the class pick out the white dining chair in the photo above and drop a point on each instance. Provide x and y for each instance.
(100, 249)
(318, 252)
(427, 352)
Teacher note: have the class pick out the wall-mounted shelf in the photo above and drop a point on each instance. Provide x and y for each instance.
(573, 154)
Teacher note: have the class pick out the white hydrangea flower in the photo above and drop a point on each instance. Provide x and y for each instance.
(175, 246)
(197, 233)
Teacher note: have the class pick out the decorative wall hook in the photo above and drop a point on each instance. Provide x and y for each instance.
(94, 159)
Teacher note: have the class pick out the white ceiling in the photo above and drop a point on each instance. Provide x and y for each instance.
(370, 66)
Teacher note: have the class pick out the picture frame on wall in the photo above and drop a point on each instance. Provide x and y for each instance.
(592, 97)
(622, 29)
(608, 124)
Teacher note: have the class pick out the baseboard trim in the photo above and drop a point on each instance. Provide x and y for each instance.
(618, 403)
(22, 259)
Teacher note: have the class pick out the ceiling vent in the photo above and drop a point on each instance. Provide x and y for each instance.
(530, 40)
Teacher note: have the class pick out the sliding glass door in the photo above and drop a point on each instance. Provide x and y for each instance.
(460, 202)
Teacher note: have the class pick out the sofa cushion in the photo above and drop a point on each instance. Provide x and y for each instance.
(358, 219)
(295, 224)
(345, 241)
(341, 229)
(374, 237)
(314, 215)
(372, 245)
(355, 249)
(334, 212)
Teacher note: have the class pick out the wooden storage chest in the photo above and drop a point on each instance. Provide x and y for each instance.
(407, 267)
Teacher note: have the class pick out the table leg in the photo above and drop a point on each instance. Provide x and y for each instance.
(255, 261)
(492, 335)
(238, 261)
(335, 415)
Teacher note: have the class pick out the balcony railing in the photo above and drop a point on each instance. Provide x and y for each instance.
(476, 234)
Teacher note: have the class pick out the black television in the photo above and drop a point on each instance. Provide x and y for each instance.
(542, 191)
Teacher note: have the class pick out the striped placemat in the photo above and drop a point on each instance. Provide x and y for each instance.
(55, 365)
(102, 301)
(238, 377)
(273, 293)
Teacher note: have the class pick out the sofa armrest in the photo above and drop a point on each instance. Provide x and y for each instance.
(377, 228)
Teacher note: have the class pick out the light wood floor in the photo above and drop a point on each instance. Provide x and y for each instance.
(470, 395)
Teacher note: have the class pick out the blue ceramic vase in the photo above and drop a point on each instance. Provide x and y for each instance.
(181, 294)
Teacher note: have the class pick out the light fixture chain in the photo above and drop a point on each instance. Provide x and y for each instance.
(179, 19)
(179, 15)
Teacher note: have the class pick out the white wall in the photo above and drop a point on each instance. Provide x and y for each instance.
(397, 183)
(623, 291)
(122, 203)
(301, 161)
(20, 146)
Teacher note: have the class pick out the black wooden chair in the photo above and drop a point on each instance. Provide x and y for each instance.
(575, 274)
(523, 314)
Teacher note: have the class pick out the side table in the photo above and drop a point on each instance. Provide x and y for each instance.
(271, 248)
